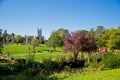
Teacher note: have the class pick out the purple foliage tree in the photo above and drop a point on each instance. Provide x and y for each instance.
(90, 43)
(78, 42)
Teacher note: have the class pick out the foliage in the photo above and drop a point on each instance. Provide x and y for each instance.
(84, 32)
(51, 68)
(100, 62)
(111, 61)
(15, 49)
(114, 40)
(89, 43)
(1, 44)
(98, 33)
(109, 38)
(94, 63)
(35, 42)
(76, 42)
(56, 38)
(19, 39)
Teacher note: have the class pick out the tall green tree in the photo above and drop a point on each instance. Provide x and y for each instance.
(105, 37)
(19, 39)
(98, 33)
(56, 38)
(92, 32)
(114, 41)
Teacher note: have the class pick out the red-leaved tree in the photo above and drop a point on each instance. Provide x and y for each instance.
(78, 42)
(90, 45)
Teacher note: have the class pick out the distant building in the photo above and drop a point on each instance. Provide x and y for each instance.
(39, 35)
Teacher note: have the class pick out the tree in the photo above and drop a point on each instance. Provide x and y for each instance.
(1, 44)
(92, 32)
(1, 39)
(105, 37)
(90, 43)
(114, 41)
(84, 32)
(62, 32)
(19, 39)
(98, 33)
(35, 42)
(56, 38)
(78, 42)
(4, 36)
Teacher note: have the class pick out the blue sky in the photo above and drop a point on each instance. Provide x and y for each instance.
(25, 16)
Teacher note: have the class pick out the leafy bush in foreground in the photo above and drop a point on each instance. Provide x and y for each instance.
(100, 62)
(111, 61)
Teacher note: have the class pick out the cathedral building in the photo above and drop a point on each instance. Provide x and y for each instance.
(39, 35)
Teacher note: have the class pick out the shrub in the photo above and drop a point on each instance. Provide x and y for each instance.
(111, 61)
(100, 62)
(50, 65)
(94, 62)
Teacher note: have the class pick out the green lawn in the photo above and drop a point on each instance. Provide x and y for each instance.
(15, 49)
(99, 75)
(21, 49)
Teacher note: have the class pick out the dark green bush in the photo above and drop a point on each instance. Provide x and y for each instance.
(111, 61)
(104, 61)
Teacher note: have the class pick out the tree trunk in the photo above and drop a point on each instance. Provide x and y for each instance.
(75, 57)
(89, 56)
(54, 48)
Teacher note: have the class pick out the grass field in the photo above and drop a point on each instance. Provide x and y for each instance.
(99, 75)
(15, 49)
(21, 49)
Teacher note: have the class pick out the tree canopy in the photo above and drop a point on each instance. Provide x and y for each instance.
(56, 38)
(78, 42)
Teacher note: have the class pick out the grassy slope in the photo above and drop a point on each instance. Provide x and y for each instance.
(18, 49)
(15, 49)
(21, 51)
(99, 75)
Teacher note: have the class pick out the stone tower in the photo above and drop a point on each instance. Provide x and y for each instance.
(39, 33)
